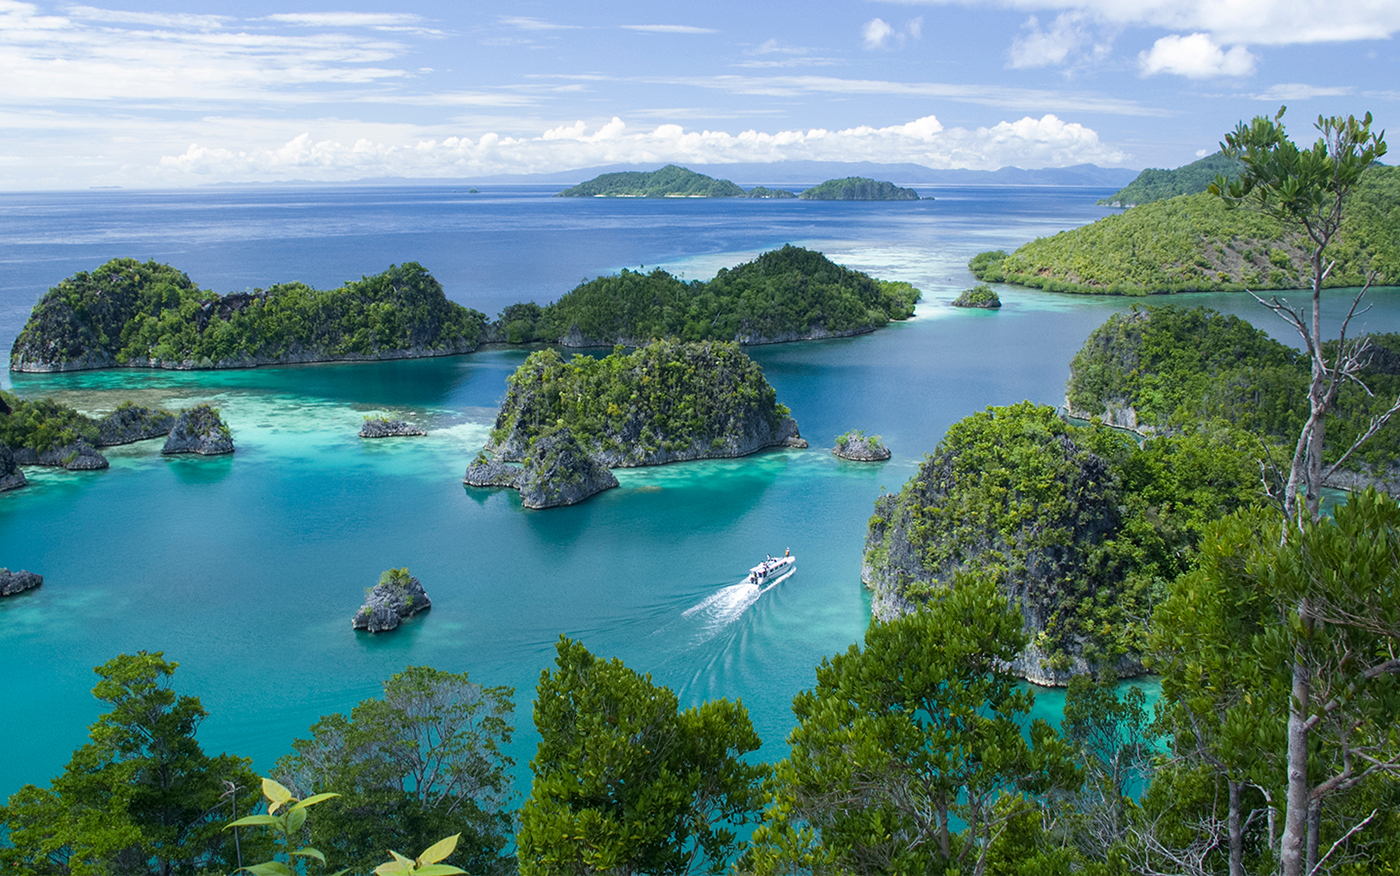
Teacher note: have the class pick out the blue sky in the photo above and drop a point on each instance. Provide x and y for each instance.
(152, 93)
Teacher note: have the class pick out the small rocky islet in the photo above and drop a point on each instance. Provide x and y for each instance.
(856, 446)
(385, 427)
(396, 597)
(13, 583)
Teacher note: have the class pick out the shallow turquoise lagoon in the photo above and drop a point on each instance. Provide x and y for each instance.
(246, 569)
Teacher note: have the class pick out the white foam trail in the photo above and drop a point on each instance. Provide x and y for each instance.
(724, 606)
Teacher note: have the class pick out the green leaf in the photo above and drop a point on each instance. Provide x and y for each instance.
(439, 850)
(438, 870)
(270, 868)
(276, 793)
(309, 852)
(392, 868)
(295, 819)
(313, 800)
(254, 819)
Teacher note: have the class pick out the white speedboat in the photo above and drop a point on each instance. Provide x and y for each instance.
(772, 568)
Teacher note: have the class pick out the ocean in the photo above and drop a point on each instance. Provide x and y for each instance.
(246, 569)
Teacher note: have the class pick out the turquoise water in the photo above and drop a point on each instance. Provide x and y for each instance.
(246, 569)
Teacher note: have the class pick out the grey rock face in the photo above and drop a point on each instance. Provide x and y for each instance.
(18, 582)
(492, 473)
(560, 472)
(200, 430)
(78, 456)
(11, 476)
(859, 448)
(130, 423)
(385, 428)
(388, 603)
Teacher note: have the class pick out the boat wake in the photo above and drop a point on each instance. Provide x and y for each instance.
(715, 613)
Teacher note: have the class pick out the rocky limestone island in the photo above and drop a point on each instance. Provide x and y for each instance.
(11, 475)
(397, 596)
(383, 427)
(971, 508)
(668, 401)
(859, 447)
(858, 188)
(77, 455)
(130, 423)
(127, 314)
(200, 430)
(556, 472)
(18, 582)
(982, 296)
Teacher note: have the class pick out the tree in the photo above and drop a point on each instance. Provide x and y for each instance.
(141, 797)
(424, 761)
(624, 782)
(1307, 190)
(897, 740)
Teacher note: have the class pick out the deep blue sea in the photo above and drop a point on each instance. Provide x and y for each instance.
(247, 569)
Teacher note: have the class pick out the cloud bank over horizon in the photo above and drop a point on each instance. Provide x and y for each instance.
(1027, 142)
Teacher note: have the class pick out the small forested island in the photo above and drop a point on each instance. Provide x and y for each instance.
(860, 447)
(557, 471)
(668, 182)
(765, 192)
(787, 294)
(858, 188)
(133, 315)
(44, 432)
(1077, 526)
(200, 430)
(982, 296)
(1195, 243)
(1158, 370)
(1156, 185)
(665, 402)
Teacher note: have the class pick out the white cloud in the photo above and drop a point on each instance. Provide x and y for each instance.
(346, 19)
(879, 34)
(876, 33)
(1027, 142)
(1298, 91)
(153, 19)
(524, 23)
(667, 28)
(1046, 48)
(1196, 57)
(1260, 22)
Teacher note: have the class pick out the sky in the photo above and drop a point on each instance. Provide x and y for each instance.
(152, 93)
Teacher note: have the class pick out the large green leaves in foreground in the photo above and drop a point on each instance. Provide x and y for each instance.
(627, 783)
(141, 797)
(897, 739)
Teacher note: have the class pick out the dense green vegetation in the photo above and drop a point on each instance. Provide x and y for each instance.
(150, 315)
(765, 192)
(1157, 185)
(978, 296)
(668, 182)
(1174, 367)
(1082, 527)
(667, 400)
(43, 424)
(1198, 243)
(858, 188)
(785, 294)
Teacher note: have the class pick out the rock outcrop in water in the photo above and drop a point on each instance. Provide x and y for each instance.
(18, 582)
(859, 447)
(77, 455)
(383, 427)
(397, 596)
(11, 476)
(130, 423)
(200, 430)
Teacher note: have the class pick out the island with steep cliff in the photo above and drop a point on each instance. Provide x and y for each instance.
(858, 188)
(788, 294)
(44, 432)
(129, 314)
(1074, 524)
(668, 182)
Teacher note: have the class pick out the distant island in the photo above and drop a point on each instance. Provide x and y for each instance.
(668, 401)
(765, 192)
(789, 294)
(668, 182)
(1193, 243)
(983, 296)
(858, 188)
(1157, 185)
(127, 314)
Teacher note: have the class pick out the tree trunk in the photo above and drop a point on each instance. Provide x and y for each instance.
(943, 843)
(1314, 829)
(1296, 805)
(1236, 831)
